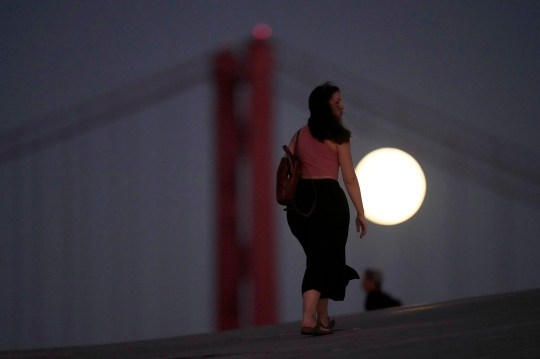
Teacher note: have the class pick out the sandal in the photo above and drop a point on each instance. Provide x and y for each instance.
(331, 324)
(319, 329)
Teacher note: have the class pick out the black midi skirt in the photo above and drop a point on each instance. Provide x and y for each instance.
(323, 236)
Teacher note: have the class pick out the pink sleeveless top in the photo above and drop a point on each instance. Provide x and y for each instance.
(318, 158)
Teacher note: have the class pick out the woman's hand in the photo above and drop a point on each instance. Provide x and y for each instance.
(361, 224)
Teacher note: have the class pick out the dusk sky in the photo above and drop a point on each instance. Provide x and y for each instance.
(475, 60)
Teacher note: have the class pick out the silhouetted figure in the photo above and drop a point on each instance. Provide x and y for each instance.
(320, 216)
(375, 297)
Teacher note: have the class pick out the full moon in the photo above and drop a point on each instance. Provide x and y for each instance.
(393, 185)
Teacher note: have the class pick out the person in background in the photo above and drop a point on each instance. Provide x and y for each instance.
(376, 298)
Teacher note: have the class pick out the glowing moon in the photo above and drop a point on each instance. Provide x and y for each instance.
(393, 185)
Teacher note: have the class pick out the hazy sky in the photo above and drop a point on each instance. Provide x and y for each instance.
(476, 60)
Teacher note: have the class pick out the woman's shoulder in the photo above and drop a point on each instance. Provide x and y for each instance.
(303, 132)
(306, 133)
(332, 145)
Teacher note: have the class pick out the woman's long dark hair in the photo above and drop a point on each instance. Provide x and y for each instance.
(322, 123)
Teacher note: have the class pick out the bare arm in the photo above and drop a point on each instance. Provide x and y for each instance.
(352, 186)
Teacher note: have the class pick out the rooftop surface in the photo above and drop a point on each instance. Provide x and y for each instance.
(498, 326)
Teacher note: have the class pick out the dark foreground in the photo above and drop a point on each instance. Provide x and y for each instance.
(500, 326)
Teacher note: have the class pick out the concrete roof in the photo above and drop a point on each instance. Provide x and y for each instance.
(498, 326)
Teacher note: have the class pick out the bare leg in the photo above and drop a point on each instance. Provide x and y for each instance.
(322, 312)
(311, 300)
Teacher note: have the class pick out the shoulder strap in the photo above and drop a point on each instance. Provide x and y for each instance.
(296, 143)
(286, 148)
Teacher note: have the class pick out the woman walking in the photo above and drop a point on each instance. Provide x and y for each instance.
(320, 217)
